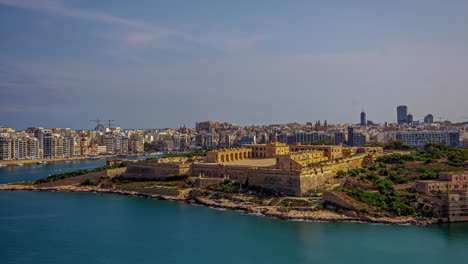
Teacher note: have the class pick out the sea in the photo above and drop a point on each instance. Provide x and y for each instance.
(49, 227)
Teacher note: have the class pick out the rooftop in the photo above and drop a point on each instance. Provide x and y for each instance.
(269, 162)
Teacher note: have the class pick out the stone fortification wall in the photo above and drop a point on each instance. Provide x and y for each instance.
(272, 179)
(313, 181)
(288, 182)
(154, 170)
(80, 179)
(341, 200)
(172, 160)
(342, 164)
(291, 182)
(208, 170)
(115, 172)
(316, 176)
(206, 182)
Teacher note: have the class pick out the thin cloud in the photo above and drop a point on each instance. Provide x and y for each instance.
(138, 38)
(148, 31)
(243, 43)
(59, 8)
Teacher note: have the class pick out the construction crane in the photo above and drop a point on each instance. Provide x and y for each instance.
(99, 121)
(110, 122)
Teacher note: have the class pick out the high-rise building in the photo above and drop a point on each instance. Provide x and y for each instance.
(46, 135)
(363, 118)
(6, 146)
(355, 138)
(350, 136)
(409, 119)
(429, 119)
(339, 138)
(402, 114)
(359, 139)
(245, 140)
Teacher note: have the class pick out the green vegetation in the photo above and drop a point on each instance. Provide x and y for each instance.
(396, 158)
(341, 174)
(295, 203)
(391, 202)
(319, 142)
(356, 172)
(377, 144)
(429, 153)
(226, 186)
(398, 145)
(66, 175)
(89, 181)
(188, 155)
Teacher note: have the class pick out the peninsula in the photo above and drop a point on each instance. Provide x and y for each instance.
(365, 184)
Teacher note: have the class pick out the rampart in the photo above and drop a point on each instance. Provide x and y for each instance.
(291, 182)
(206, 182)
(154, 170)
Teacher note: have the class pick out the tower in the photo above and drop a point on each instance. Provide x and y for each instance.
(402, 114)
(409, 119)
(363, 118)
(350, 136)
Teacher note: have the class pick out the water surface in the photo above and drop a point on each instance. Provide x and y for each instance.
(33, 171)
(41, 227)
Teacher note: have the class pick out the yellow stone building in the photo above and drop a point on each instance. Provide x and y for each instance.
(330, 151)
(299, 160)
(228, 155)
(268, 150)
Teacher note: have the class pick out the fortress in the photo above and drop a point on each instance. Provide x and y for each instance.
(290, 169)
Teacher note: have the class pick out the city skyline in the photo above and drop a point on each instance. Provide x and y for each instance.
(362, 117)
(66, 62)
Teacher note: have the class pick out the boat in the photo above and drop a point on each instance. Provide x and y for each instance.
(39, 162)
(3, 165)
(19, 164)
(68, 161)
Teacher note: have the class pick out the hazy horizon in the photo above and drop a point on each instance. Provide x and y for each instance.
(172, 63)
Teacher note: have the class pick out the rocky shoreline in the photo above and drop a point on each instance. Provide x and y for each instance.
(246, 207)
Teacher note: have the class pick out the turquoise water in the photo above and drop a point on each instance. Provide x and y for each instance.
(33, 171)
(42, 227)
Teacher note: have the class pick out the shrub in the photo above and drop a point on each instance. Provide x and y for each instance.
(354, 172)
(384, 186)
(188, 155)
(372, 176)
(388, 203)
(226, 186)
(66, 175)
(89, 181)
(365, 211)
(341, 173)
(384, 172)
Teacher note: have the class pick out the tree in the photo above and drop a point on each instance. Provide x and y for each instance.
(319, 142)
(397, 145)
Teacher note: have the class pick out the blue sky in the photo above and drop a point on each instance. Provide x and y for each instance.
(168, 63)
